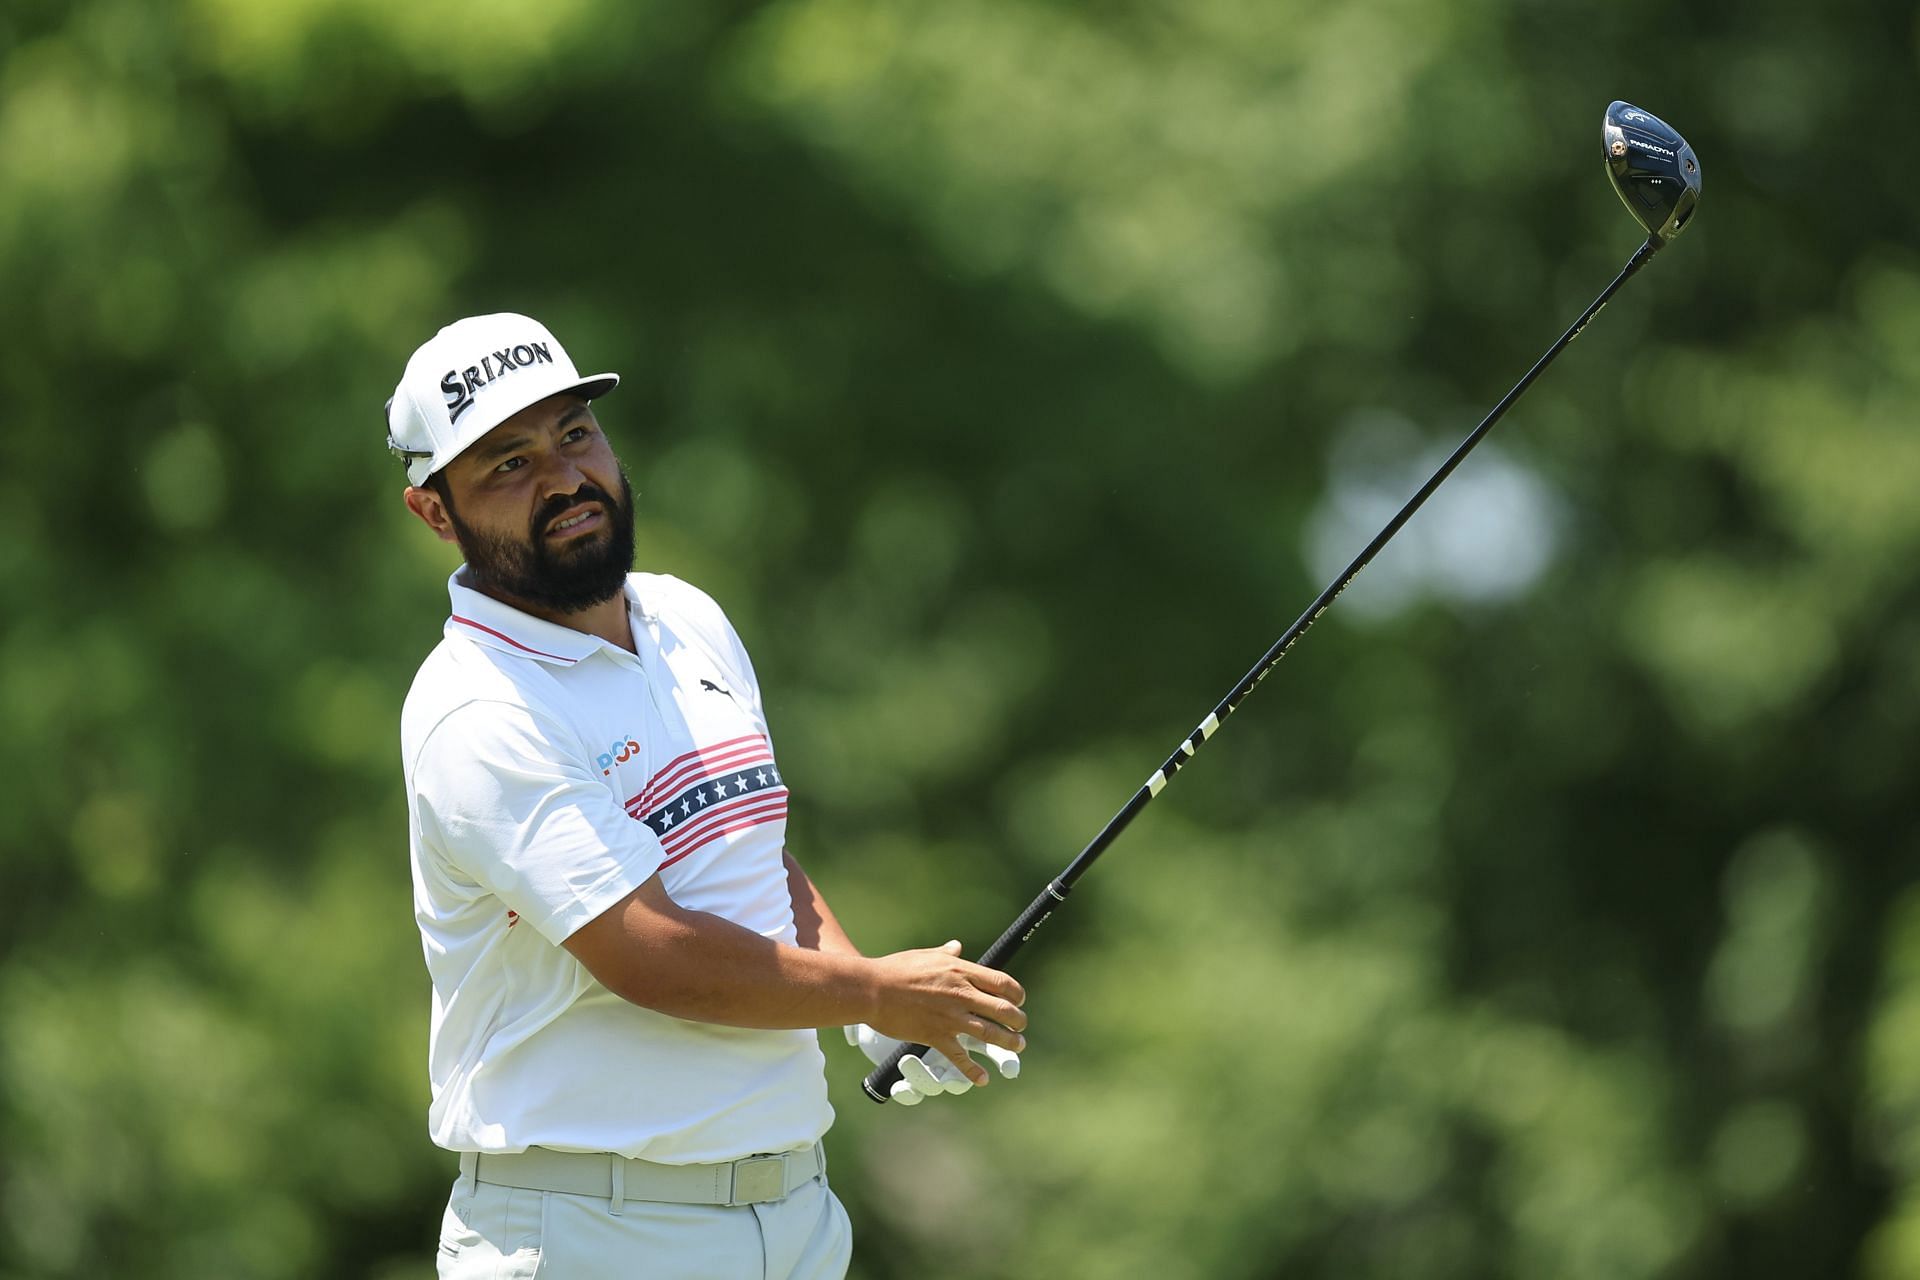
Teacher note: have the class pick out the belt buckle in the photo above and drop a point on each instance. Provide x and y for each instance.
(758, 1179)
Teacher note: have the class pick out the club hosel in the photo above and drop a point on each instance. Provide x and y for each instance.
(1640, 258)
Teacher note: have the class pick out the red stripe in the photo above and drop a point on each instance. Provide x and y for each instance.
(708, 766)
(712, 746)
(765, 803)
(674, 778)
(736, 822)
(743, 823)
(655, 784)
(719, 767)
(701, 844)
(510, 640)
(725, 769)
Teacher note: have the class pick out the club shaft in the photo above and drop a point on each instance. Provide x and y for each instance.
(880, 1080)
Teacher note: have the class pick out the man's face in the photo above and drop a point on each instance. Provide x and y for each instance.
(534, 509)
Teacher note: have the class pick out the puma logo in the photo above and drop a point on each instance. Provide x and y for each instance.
(708, 684)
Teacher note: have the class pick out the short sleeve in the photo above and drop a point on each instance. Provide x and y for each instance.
(505, 795)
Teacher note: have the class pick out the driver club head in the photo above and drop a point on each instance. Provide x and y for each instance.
(1652, 168)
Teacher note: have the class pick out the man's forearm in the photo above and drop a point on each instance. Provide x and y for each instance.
(649, 950)
(700, 966)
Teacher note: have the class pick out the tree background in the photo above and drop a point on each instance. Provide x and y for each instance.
(1013, 372)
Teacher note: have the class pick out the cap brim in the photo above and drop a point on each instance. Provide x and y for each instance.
(596, 386)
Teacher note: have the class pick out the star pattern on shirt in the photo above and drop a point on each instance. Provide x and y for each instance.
(696, 808)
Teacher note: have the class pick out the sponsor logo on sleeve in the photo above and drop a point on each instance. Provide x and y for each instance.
(616, 753)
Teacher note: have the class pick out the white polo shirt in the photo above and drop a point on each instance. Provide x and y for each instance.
(549, 774)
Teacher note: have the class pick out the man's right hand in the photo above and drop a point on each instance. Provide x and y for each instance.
(933, 997)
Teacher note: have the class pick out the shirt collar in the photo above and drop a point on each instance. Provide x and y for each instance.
(482, 619)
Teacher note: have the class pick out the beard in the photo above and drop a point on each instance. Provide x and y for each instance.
(567, 578)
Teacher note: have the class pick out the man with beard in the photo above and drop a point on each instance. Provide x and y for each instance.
(628, 967)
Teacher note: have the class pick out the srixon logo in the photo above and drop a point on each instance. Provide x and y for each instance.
(459, 385)
(616, 753)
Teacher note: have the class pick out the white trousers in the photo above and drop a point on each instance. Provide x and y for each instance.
(508, 1233)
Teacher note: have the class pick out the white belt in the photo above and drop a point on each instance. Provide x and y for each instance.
(752, 1180)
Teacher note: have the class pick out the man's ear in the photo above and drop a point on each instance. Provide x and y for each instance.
(426, 504)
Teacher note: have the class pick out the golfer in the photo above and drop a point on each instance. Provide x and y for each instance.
(628, 966)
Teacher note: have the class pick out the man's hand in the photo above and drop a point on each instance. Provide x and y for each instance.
(935, 998)
(936, 1075)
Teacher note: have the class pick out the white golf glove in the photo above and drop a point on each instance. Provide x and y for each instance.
(924, 1078)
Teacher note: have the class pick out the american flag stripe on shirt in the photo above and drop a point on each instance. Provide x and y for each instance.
(723, 822)
(680, 772)
(702, 795)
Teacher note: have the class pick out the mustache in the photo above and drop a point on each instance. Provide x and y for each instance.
(553, 508)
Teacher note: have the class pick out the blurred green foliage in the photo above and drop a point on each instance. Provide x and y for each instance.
(1010, 370)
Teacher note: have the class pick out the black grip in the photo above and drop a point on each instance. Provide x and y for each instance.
(880, 1081)
(1024, 926)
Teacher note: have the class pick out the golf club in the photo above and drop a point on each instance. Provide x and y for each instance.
(1656, 175)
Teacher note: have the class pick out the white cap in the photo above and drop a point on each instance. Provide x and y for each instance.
(469, 378)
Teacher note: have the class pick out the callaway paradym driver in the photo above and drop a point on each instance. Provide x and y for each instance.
(1653, 170)
(1656, 175)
